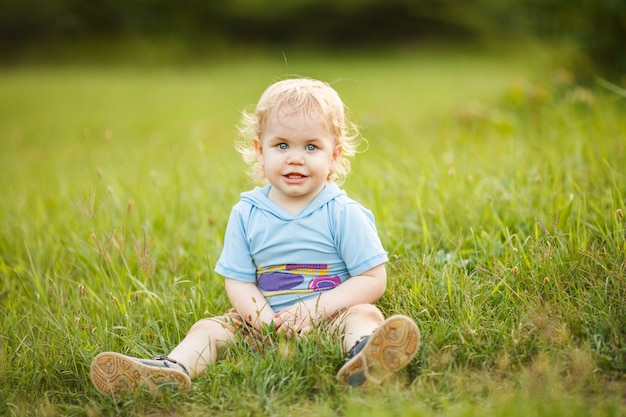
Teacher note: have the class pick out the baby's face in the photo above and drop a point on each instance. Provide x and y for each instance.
(298, 153)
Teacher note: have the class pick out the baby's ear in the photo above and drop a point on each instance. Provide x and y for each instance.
(258, 146)
(337, 153)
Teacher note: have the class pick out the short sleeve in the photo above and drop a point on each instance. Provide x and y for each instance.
(357, 239)
(236, 262)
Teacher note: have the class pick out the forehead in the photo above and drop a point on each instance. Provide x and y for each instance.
(297, 120)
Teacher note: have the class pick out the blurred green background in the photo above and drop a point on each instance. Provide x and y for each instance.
(595, 30)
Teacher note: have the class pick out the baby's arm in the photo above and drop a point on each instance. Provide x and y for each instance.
(361, 289)
(366, 288)
(250, 303)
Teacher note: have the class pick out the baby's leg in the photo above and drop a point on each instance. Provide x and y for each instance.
(359, 321)
(113, 373)
(200, 347)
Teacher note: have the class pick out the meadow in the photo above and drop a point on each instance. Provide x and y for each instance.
(496, 179)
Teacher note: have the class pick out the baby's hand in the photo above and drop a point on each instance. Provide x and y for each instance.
(297, 319)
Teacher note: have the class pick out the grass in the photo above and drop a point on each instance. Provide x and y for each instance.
(497, 184)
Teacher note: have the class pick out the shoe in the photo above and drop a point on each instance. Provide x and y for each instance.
(113, 373)
(374, 358)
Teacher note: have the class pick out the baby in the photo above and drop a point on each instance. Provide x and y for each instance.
(298, 252)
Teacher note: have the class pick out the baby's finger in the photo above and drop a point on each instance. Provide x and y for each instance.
(286, 329)
(305, 329)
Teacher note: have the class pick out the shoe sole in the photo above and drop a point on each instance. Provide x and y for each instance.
(113, 374)
(391, 347)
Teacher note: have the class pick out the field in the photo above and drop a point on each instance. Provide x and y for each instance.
(498, 186)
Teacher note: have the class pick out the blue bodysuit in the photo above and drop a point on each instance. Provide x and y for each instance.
(293, 257)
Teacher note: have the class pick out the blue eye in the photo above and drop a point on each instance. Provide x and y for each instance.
(282, 146)
(311, 147)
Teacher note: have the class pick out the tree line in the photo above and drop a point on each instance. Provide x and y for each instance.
(598, 27)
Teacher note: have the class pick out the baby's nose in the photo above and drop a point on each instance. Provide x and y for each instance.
(296, 157)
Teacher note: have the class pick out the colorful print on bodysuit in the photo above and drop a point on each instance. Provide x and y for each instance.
(289, 279)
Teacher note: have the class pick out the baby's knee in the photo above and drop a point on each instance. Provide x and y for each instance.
(209, 326)
(369, 311)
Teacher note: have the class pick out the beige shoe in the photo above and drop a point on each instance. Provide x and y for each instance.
(374, 358)
(113, 374)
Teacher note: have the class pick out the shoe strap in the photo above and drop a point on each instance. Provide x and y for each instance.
(358, 346)
(167, 359)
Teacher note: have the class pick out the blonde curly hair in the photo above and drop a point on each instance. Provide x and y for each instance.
(312, 97)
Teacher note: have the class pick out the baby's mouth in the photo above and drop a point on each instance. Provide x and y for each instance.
(294, 176)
